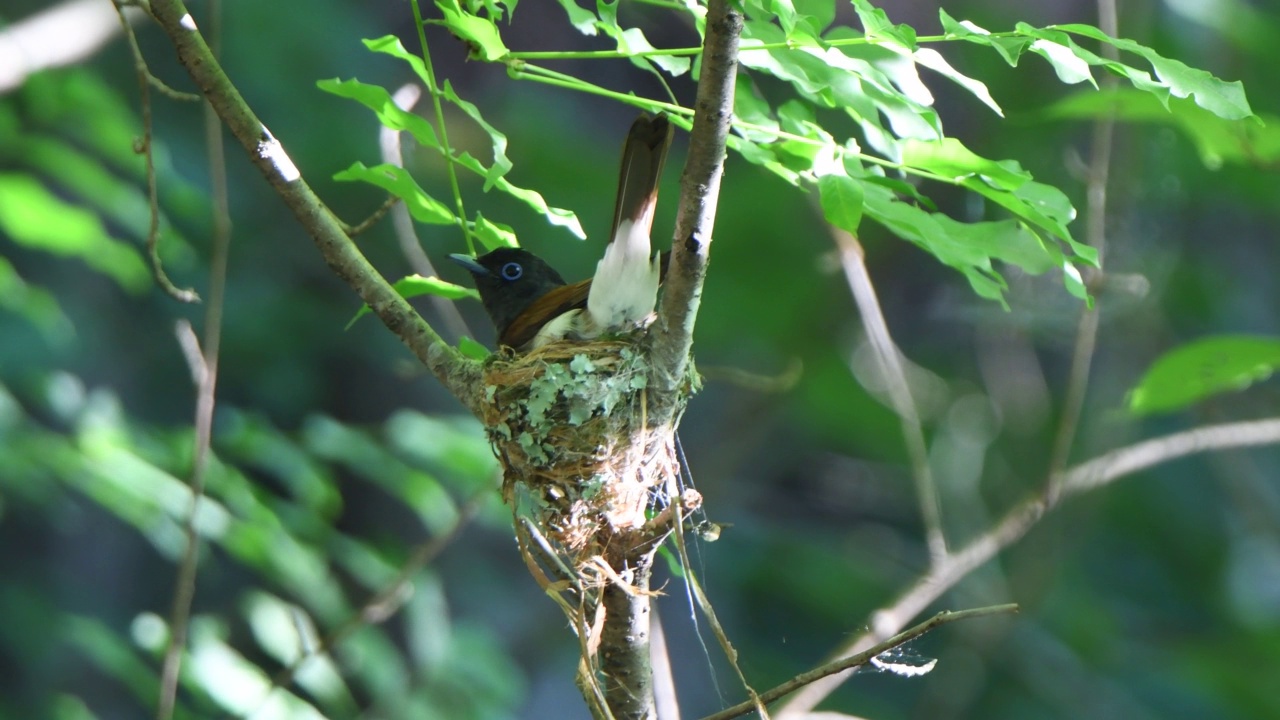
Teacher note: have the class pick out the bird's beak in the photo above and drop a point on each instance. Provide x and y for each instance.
(469, 263)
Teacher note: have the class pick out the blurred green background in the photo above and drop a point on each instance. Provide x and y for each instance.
(336, 455)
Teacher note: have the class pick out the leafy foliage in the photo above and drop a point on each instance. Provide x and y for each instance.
(1204, 368)
(845, 111)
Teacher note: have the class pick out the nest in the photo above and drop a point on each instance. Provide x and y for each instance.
(569, 422)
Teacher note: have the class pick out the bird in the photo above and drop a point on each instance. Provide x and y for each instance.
(531, 305)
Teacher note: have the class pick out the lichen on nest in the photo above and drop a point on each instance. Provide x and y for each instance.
(569, 422)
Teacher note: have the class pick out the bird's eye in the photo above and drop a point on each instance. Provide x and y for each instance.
(512, 271)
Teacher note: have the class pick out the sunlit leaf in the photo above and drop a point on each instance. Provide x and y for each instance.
(501, 163)
(377, 99)
(841, 198)
(33, 216)
(397, 181)
(556, 216)
(1217, 140)
(473, 349)
(1224, 99)
(583, 20)
(494, 235)
(414, 285)
(934, 60)
(1204, 368)
(480, 34)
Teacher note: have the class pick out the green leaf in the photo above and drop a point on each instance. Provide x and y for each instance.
(1218, 140)
(480, 34)
(493, 235)
(584, 21)
(1071, 69)
(841, 198)
(934, 60)
(377, 99)
(397, 181)
(632, 41)
(949, 157)
(36, 218)
(1224, 99)
(501, 163)
(472, 349)
(1204, 368)
(970, 248)
(556, 216)
(391, 45)
(877, 25)
(1009, 48)
(412, 286)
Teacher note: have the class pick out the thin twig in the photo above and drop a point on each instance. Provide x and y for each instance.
(1087, 476)
(1096, 236)
(756, 382)
(206, 386)
(895, 379)
(143, 147)
(672, 334)
(374, 217)
(848, 664)
(457, 373)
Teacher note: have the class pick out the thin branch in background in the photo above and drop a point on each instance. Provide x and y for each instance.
(206, 381)
(1086, 342)
(374, 217)
(143, 147)
(853, 259)
(460, 375)
(382, 605)
(391, 145)
(784, 381)
(848, 664)
(1091, 475)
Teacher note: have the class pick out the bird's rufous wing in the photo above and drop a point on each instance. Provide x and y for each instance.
(541, 311)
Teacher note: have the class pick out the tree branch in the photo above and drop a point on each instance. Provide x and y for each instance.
(459, 374)
(672, 335)
(1090, 475)
(895, 382)
(853, 662)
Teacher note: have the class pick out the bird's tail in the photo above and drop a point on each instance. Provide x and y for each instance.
(625, 287)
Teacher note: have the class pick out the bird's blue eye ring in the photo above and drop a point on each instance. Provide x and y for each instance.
(512, 271)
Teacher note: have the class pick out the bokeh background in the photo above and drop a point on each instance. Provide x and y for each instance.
(1158, 597)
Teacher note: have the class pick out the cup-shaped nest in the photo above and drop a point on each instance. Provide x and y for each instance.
(569, 422)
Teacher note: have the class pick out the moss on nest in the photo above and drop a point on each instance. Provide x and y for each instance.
(569, 422)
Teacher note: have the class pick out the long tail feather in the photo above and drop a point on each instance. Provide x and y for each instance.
(625, 287)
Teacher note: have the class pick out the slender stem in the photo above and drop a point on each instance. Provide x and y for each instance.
(438, 107)
(895, 379)
(546, 76)
(145, 82)
(1096, 236)
(204, 366)
(460, 375)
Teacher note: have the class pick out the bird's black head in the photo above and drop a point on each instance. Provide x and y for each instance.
(509, 279)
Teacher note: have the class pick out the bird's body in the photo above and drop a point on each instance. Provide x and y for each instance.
(530, 303)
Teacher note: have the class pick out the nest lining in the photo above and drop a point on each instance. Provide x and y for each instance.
(568, 421)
